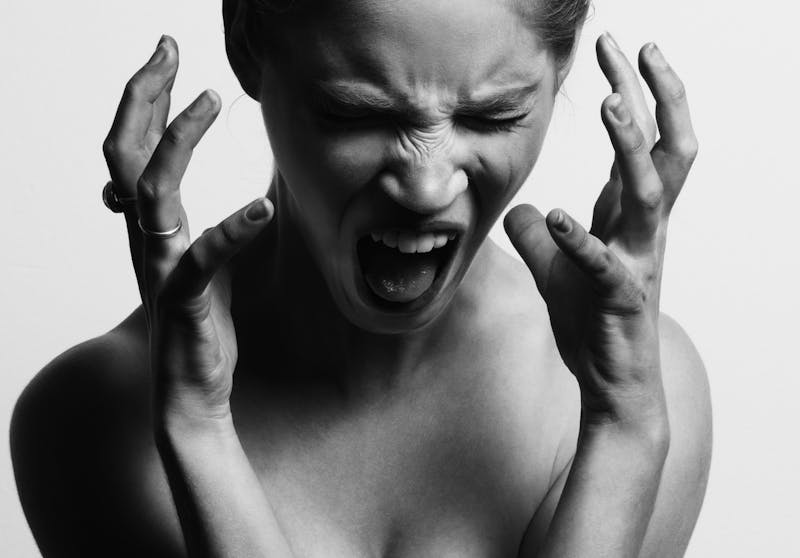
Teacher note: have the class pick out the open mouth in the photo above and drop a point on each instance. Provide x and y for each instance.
(400, 267)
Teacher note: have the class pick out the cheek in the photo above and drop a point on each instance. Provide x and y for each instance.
(505, 164)
(324, 170)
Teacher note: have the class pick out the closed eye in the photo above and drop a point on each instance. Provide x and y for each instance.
(348, 118)
(491, 124)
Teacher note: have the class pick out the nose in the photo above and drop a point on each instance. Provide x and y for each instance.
(425, 183)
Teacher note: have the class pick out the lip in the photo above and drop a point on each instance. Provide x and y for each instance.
(437, 226)
(443, 276)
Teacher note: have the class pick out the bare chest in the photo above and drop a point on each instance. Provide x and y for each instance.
(452, 470)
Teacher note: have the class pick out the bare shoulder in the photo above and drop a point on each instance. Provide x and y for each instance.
(519, 314)
(88, 475)
(525, 316)
(685, 474)
(544, 390)
(687, 392)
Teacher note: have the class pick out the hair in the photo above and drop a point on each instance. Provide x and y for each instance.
(557, 22)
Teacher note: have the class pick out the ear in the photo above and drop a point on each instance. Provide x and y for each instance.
(242, 57)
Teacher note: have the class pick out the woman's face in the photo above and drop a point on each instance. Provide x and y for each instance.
(402, 130)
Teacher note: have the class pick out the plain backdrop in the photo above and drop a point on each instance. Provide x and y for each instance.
(732, 267)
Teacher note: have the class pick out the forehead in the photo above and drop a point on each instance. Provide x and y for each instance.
(459, 47)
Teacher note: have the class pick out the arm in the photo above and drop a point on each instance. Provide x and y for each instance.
(610, 491)
(219, 499)
(88, 476)
(223, 510)
(685, 472)
(602, 289)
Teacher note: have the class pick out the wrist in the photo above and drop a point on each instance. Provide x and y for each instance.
(646, 435)
(634, 406)
(181, 418)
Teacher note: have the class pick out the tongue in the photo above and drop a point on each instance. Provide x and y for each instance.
(399, 277)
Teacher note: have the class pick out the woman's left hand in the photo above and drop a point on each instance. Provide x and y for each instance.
(602, 287)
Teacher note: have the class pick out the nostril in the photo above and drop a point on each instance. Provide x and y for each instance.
(424, 191)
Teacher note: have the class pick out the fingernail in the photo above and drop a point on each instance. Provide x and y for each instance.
(203, 104)
(611, 40)
(561, 223)
(618, 109)
(158, 55)
(656, 55)
(258, 210)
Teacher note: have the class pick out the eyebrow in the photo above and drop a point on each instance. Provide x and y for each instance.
(509, 100)
(360, 98)
(348, 96)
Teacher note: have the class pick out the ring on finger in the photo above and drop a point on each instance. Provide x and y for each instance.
(115, 203)
(161, 235)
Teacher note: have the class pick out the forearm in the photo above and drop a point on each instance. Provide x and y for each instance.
(221, 505)
(610, 492)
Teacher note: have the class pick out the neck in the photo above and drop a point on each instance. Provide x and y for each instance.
(294, 308)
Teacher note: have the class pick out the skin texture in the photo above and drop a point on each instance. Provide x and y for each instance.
(353, 430)
(377, 175)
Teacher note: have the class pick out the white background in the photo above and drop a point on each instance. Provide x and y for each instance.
(731, 273)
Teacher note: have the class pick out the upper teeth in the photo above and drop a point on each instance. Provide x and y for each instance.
(411, 242)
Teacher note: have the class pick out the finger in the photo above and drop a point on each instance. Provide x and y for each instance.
(600, 265)
(158, 193)
(204, 258)
(607, 207)
(640, 198)
(124, 144)
(677, 147)
(161, 106)
(526, 227)
(624, 80)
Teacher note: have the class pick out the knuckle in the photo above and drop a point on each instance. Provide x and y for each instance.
(110, 149)
(651, 199)
(637, 143)
(134, 88)
(677, 94)
(146, 188)
(604, 263)
(689, 147)
(174, 135)
(228, 233)
(583, 244)
(685, 151)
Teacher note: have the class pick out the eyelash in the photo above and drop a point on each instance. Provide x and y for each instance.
(493, 125)
(489, 125)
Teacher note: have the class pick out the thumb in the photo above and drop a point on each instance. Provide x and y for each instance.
(212, 250)
(527, 228)
(600, 265)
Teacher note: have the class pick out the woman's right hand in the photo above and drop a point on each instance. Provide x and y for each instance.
(185, 293)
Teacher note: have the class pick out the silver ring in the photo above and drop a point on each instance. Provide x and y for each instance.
(113, 201)
(161, 235)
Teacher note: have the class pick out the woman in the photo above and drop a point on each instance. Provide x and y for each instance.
(401, 388)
